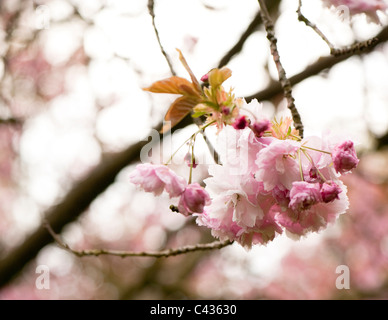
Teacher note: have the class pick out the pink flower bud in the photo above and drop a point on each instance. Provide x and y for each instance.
(330, 191)
(188, 159)
(240, 123)
(344, 157)
(193, 199)
(303, 195)
(156, 178)
(260, 127)
(205, 78)
(313, 173)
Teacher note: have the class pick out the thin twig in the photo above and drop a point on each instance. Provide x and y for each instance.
(321, 64)
(123, 254)
(284, 81)
(352, 49)
(151, 10)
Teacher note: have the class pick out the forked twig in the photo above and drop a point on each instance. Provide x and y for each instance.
(352, 49)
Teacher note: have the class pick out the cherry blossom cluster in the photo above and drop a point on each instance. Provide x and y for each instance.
(275, 181)
(269, 180)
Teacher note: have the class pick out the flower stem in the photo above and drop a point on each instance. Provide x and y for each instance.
(300, 166)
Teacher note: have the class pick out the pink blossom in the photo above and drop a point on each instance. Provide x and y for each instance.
(344, 157)
(314, 218)
(264, 230)
(238, 150)
(277, 165)
(303, 195)
(330, 191)
(240, 208)
(156, 178)
(315, 162)
(193, 199)
(369, 7)
(240, 192)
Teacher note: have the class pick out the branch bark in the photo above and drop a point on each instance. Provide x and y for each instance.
(284, 81)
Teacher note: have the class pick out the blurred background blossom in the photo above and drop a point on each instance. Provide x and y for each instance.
(71, 104)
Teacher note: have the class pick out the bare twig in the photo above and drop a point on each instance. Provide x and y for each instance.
(284, 81)
(352, 49)
(323, 63)
(151, 10)
(123, 254)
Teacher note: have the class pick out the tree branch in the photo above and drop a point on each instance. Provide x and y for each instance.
(284, 82)
(151, 5)
(320, 65)
(123, 254)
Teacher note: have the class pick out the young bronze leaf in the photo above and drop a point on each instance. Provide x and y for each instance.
(192, 76)
(189, 91)
(180, 108)
(174, 85)
(218, 76)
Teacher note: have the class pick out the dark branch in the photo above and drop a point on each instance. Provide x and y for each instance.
(284, 81)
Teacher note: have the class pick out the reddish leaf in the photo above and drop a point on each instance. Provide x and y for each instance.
(180, 108)
(174, 85)
(189, 91)
(191, 73)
